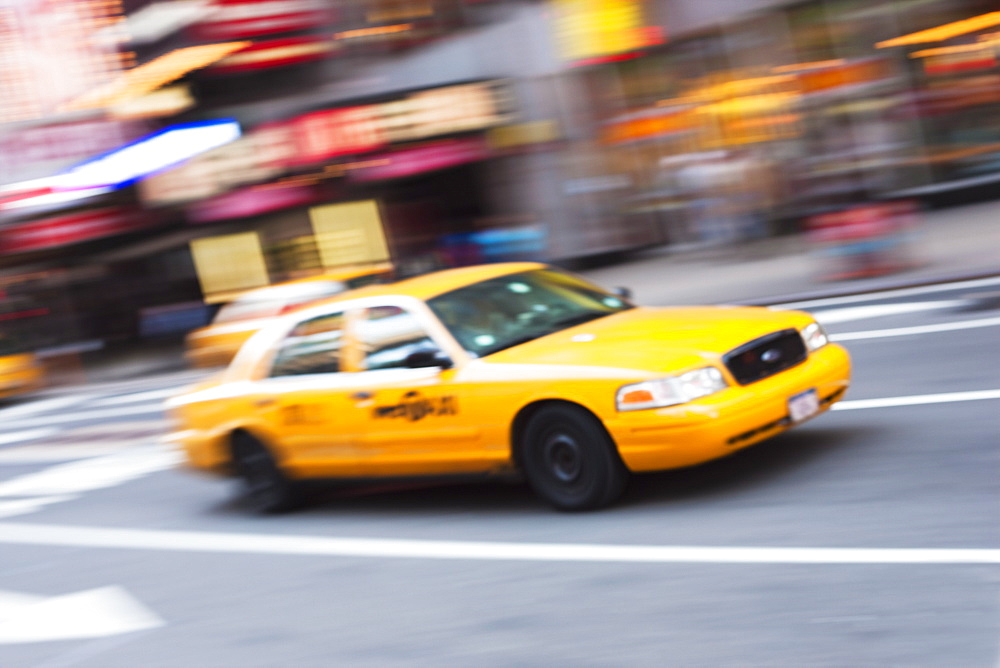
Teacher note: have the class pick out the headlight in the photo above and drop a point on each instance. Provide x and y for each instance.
(814, 336)
(670, 391)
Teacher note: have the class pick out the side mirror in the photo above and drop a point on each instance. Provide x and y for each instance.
(428, 357)
(624, 293)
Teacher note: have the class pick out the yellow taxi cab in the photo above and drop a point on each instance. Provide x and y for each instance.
(20, 371)
(237, 320)
(515, 368)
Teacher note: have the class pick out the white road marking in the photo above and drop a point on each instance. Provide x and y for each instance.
(79, 443)
(175, 379)
(91, 474)
(918, 329)
(24, 506)
(136, 397)
(28, 435)
(901, 292)
(850, 313)
(122, 429)
(42, 405)
(917, 399)
(62, 452)
(243, 543)
(28, 493)
(95, 613)
(82, 416)
(12, 601)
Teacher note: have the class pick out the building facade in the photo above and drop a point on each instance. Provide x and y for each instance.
(434, 133)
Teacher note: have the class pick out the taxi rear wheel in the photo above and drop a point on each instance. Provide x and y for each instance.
(570, 461)
(265, 488)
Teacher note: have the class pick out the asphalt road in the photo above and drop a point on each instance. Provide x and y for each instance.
(867, 537)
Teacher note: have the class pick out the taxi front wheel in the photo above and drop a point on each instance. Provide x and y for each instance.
(570, 461)
(265, 488)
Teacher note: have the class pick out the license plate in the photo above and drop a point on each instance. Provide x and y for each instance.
(803, 405)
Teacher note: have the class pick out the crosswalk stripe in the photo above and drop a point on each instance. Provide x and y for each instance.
(151, 395)
(44, 454)
(90, 474)
(918, 329)
(27, 435)
(54, 444)
(51, 404)
(83, 416)
(852, 313)
(176, 378)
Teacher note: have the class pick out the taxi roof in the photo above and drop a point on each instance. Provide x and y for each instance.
(437, 283)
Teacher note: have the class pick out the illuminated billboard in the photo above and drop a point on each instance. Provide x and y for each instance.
(596, 30)
(153, 153)
(52, 51)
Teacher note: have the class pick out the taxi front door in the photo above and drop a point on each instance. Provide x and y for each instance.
(413, 418)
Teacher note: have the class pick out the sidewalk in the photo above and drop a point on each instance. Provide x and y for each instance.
(950, 244)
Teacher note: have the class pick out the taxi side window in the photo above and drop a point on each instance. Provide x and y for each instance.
(313, 346)
(387, 335)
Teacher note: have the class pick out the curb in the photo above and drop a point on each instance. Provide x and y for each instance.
(872, 286)
(122, 385)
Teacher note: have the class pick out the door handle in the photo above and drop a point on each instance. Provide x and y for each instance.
(264, 402)
(362, 395)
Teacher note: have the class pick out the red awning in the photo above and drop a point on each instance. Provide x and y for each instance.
(70, 229)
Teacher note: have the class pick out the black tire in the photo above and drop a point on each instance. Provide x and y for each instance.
(570, 460)
(265, 489)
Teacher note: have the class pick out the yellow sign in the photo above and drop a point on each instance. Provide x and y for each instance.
(349, 233)
(588, 29)
(229, 263)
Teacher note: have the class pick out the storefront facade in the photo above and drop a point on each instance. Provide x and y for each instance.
(544, 135)
(746, 125)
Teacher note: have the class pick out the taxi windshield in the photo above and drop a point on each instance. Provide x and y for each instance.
(502, 312)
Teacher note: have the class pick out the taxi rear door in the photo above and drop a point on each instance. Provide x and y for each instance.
(306, 400)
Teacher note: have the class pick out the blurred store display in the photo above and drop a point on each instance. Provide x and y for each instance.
(295, 137)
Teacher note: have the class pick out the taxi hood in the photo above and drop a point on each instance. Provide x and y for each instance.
(654, 339)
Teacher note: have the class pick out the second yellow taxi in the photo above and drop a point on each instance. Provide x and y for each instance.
(513, 368)
(240, 317)
(21, 371)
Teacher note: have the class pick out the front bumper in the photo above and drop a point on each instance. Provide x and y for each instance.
(723, 423)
